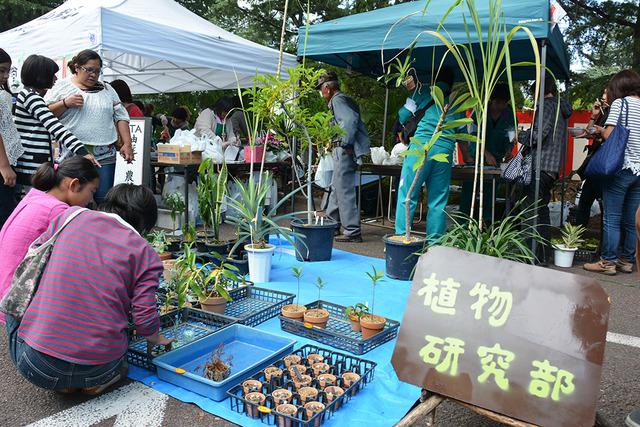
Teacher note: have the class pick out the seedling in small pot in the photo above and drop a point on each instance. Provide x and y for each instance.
(317, 317)
(176, 204)
(218, 367)
(295, 311)
(354, 313)
(159, 243)
(189, 234)
(370, 323)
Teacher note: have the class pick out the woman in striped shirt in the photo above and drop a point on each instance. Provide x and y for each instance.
(36, 124)
(73, 336)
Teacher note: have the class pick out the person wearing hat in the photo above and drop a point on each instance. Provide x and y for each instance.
(342, 205)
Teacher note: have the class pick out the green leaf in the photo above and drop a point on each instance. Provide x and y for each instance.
(453, 124)
(412, 152)
(463, 137)
(438, 96)
(440, 157)
(469, 103)
(419, 162)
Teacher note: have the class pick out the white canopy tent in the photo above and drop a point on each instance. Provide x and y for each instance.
(156, 46)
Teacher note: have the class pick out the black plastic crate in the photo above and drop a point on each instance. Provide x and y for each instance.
(252, 306)
(266, 412)
(188, 324)
(586, 255)
(338, 332)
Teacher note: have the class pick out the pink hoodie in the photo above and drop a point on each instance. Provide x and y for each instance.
(28, 221)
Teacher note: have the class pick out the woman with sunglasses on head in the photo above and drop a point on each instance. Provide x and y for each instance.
(92, 110)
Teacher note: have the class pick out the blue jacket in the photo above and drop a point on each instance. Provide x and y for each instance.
(346, 114)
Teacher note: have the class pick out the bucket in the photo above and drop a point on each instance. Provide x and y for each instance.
(562, 256)
(259, 263)
(253, 154)
(317, 238)
(400, 258)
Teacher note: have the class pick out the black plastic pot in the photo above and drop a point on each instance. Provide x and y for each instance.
(174, 246)
(317, 238)
(241, 263)
(400, 257)
(221, 248)
(201, 245)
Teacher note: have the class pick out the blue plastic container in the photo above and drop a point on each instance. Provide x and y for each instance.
(251, 350)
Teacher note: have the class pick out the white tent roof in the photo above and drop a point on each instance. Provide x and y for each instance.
(154, 45)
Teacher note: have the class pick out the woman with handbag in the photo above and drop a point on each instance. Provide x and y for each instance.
(621, 190)
(92, 110)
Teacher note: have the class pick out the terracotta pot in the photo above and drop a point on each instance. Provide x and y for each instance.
(355, 323)
(281, 396)
(214, 305)
(327, 380)
(301, 381)
(302, 369)
(249, 386)
(286, 409)
(272, 372)
(294, 311)
(257, 399)
(292, 359)
(308, 394)
(348, 379)
(334, 392)
(371, 325)
(313, 408)
(320, 368)
(165, 255)
(317, 316)
(314, 358)
(169, 272)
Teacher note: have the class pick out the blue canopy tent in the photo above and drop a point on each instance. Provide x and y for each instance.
(363, 41)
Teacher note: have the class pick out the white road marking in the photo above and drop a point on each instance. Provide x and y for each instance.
(134, 404)
(623, 339)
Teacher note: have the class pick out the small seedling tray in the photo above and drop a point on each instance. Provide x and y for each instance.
(586, 255)
(251, 305)
(339, 364)
(338, 331)
(248, 349)
(187, 325)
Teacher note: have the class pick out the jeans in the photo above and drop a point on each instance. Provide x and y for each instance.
(591, 190)
(107, 173)
(544, 221)
(621, 195)
(51, 373)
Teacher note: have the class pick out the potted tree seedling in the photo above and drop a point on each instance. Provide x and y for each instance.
(210, 287)
(218, 367)
(175, 203)
(565, 250)
(295, 311)
(158, 241)
(354, 313)
(212, 190)
(189, 234)
(370, 323)
(317, 317)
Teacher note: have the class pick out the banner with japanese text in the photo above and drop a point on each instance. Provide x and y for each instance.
(136, 172)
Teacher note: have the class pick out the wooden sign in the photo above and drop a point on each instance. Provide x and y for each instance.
(138, 171)
(523, 341)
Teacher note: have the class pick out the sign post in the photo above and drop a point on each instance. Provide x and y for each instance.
(138, 171)
(522, 341)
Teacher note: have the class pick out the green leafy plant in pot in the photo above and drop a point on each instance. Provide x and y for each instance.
(175, 203)
(295, 311)
(317, 317)
(212, 190)
(354, 313)
(158, 241)
(372, 324)
(565, 249)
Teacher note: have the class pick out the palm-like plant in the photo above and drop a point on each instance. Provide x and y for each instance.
(212, 190)
(572, 235)
(176, 204)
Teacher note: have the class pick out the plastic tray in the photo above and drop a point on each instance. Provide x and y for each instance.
(586, 255)
(266, 412)
(252, 306)
(187, 325)
(250, 350)
(338, 331)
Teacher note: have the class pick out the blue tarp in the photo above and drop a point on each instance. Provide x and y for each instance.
(356, 41)
(385, 400)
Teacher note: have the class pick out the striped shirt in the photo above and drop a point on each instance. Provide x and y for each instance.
(37, 127)
(100, 270)
(632, 151)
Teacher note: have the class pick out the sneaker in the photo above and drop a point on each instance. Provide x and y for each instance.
(623, 266)
(349, 239)
(633, 419)
(603, 266)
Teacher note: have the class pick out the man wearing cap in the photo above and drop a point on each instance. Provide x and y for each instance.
(347, 151)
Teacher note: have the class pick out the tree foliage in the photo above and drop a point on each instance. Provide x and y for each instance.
(17, 12)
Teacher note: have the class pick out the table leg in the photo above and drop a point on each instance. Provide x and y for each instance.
(186, 195)
(493, 199)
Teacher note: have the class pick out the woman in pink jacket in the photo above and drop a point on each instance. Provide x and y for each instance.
(55, 188)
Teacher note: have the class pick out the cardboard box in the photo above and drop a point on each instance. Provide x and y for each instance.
(178, 155)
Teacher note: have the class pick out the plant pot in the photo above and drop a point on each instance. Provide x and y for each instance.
(253, 154)
(272, 372)
(259, 262)
(297, 370)
(355, 323)
(371, 325)
(240, 261)
(308, 394)
(317, 317)
(165, 256)
(320, 368)
(214, 305)
(257, 399)
(313, 358)
(250, 386)
(169, 269)
(201, 245)
(326, 380)
(286, 409)
(301, 381)
(400, 258)
(221, 248)
(174, 244)
(563, 256)
(313, 408)
(348, 379)
(292, 359)
(317, 238)
(217, 376)
(294, 311)
(281, 396)
(334, 392)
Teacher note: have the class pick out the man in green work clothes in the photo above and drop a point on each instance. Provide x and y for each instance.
(417, 101)
(436, 175)
(497, 147)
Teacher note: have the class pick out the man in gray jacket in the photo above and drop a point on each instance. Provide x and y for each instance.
(347, 151)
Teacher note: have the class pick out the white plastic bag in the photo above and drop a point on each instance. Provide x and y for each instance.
(378, 155)
(213, 149)
(554, 213)
(324, 173)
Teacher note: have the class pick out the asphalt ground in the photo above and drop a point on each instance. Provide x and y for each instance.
(22, 403)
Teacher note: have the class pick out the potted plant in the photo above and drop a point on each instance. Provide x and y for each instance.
(354, 313)
(212, 190)
(175, 202)
(566, 249)
(295, 311)
(218, 367)
(189, 234)
(370, 323)
(317, 317)
(158, 241)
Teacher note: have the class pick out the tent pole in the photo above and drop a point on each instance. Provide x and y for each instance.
(564, 166)
(534, 245)
(384, 119)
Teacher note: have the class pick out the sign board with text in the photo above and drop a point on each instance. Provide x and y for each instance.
(523, 341)
(136, 172)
